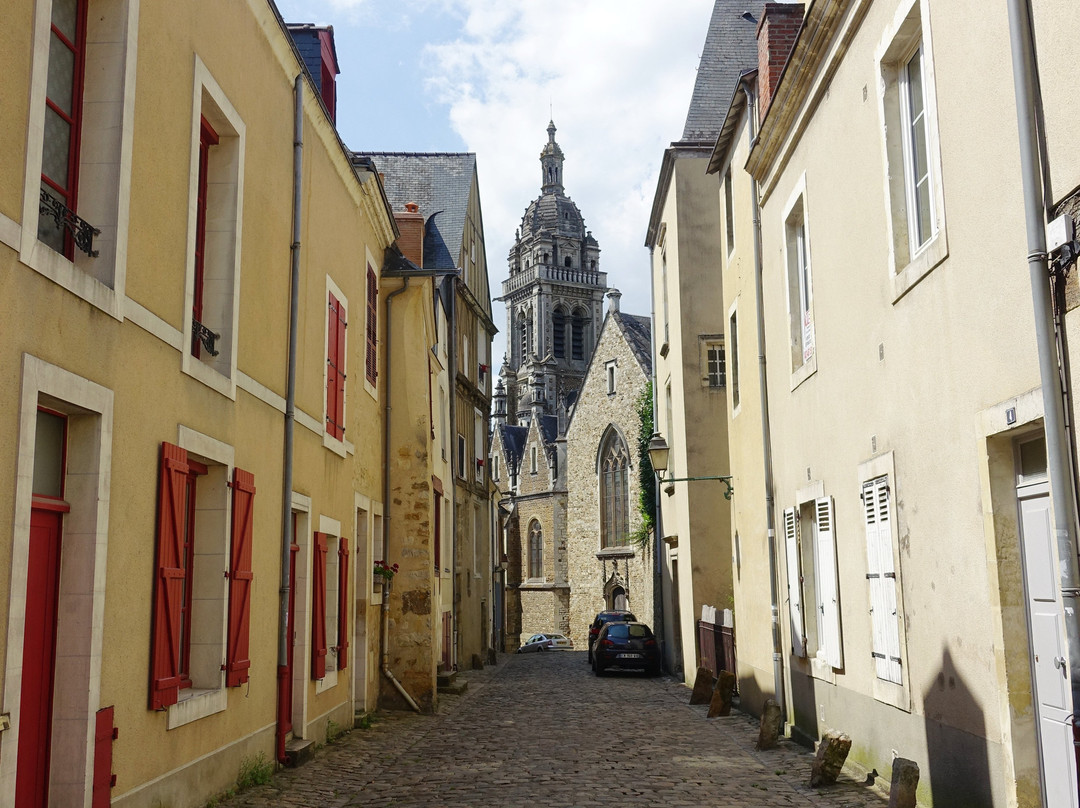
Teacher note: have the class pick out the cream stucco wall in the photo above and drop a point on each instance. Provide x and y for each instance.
(690, 415)
(911, 378)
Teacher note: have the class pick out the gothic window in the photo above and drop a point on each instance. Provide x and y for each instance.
(558, 329)
(577, 336)
(536, 550)
(614, 491)
(523, 337)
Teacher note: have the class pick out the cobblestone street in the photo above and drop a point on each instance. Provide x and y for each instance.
(541, 729)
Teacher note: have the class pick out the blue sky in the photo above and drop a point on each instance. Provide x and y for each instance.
(482, 75)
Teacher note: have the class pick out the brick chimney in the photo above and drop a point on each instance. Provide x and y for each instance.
(411, 226)
(776, 35)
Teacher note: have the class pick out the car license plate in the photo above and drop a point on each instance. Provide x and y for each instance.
(628, 656)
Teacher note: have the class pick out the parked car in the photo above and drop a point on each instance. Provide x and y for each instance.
(603, 618)
(546, 642)
(626, 646)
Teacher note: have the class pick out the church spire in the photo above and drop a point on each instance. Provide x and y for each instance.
(551, 164)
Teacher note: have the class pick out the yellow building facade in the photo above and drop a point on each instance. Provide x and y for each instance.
(147, 353)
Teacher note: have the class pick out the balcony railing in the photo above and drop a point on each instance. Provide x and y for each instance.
(525, 277)
(82, 232)
(201, 334)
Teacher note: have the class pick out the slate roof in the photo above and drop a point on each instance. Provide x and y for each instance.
(730, 48)
(549, 428)
(513, 441)
(440, 183)
(637, 331)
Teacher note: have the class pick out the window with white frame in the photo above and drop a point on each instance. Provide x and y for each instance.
(733, 335)
(532, 460)
(812, 578)
(609, 370)
(907, 102)
(713, 362)
(78, 166)
(215, 217)
(800, 284)
(729, 212)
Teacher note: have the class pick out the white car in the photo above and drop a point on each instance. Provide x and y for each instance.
(546, 642)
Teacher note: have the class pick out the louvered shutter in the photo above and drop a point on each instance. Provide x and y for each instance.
(371, 358)
(881, 577)
(343, 604)
(169, 580)
(828, 588)
(238, 657)
(318, 609)
(339, 392)
(334, 358)
(791, 539)
(103, 756)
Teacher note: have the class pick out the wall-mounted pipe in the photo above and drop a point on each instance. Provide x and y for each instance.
(284, 629)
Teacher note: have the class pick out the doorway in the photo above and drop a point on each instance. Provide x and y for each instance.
(1049, 655)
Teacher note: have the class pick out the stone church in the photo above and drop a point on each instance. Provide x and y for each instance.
(555, 315)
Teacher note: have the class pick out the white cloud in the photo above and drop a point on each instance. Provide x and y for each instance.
(618, 76)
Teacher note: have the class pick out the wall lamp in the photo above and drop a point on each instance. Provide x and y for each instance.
(658, 456)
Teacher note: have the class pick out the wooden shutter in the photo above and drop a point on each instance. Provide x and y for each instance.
(828, 588)
(372, 359)
(104, 734)
(238, 657)
(794, 576)
(335, 369)
(169, 578)
(881, 577)
(318, 609)
(343, 604)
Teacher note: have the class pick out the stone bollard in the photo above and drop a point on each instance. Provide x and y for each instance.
(771, 721)
(477, 662)
(492, 658)
(831, 754)
(703, 687)
(905, 779)
(722, 694)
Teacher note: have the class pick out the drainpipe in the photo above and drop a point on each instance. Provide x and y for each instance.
(385, 612)
(658, 526)
(284, 629)
(1057, 441)
(451, 335)
(766, 431)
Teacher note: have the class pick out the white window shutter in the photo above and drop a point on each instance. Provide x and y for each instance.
(791, 538)
(881, 576)
(828, 583)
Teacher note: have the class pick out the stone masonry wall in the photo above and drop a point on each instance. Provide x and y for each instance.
(596, 410)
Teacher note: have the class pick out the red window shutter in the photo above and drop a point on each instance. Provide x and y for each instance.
(169, 581)
(333, 362)
(318, 609)
(103, 740)
(343, 604)
(238, 657)
(372, 363)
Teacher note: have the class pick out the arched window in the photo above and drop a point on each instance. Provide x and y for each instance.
(536, 550)
(558, 332)
(566, 261)
(614, 491)
(618, 599)
(577, 337)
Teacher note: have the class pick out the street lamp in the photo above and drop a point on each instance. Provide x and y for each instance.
(658, 456)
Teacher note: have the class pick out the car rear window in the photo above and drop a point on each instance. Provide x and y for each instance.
(625, 630)
(610, 618)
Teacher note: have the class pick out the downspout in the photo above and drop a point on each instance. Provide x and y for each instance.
(766, 430)
(385, 611)
(1057, 441)
(451, 333)
(658, 558)
(284, 629)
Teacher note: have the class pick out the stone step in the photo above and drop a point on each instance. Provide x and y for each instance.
(300, 751)
(448, 683)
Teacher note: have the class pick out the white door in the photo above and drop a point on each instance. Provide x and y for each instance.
(1049, 652)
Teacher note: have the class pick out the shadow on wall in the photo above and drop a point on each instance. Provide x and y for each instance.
(805, 729)
(956, 747)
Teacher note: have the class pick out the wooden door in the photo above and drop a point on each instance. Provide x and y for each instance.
(39, 659)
